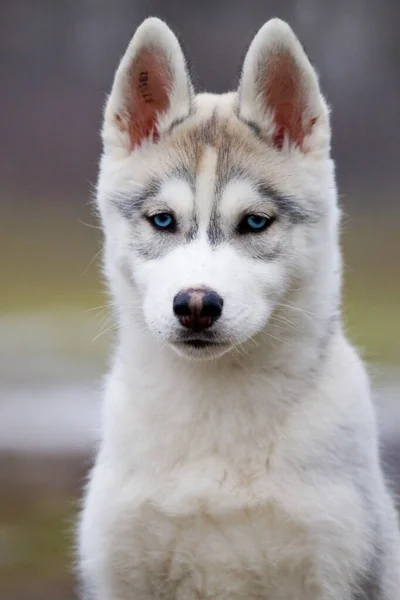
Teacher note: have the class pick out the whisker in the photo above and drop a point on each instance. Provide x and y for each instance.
(90, 225)
(113, 327)
(91, 262)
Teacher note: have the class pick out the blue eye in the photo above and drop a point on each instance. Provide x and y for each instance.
(163, 221)
(254, 224)
(256, 221)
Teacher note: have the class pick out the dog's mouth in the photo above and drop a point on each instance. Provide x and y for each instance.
(198, 343)
(201, 347)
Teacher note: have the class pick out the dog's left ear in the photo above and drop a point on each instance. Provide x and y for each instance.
(151, 89)
(279, 92)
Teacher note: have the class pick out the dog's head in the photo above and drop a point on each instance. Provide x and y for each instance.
(214, 207)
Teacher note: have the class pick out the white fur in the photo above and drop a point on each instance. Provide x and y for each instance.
(255, 473)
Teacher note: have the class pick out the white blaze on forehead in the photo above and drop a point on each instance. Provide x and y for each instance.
(205, 185)
(178, 195)
(238, 196)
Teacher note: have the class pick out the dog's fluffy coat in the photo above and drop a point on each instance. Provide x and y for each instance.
(255, 473)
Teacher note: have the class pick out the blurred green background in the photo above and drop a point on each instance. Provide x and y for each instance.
(57, 60)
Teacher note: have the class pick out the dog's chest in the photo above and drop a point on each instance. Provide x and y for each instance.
(245, 554)
(234, 539)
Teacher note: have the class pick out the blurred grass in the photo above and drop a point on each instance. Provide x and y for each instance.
(36, 541)
(38, 537)
(48, 257)
(48, 262)
(371, 299)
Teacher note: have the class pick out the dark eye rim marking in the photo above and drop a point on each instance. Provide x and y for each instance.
(245, 228)
(287, 206)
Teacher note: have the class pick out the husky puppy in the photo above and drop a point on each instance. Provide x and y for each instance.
(239, 455)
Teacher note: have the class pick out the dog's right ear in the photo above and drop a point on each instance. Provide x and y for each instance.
(151, 89)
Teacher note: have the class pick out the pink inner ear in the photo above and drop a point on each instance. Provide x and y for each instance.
(286, 97)
(150, 81)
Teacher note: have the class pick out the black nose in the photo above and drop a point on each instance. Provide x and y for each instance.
(197, 308)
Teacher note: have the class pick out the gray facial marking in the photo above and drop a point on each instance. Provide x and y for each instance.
(214, 231)
(286, 205)
(254, 128)
(185, 174)
(150, 250)
(130, 203)
(209, 131)
(180, 171)
(266, 254)
(225, 172)
(230, 147)
(193, 229)
(132, 206)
